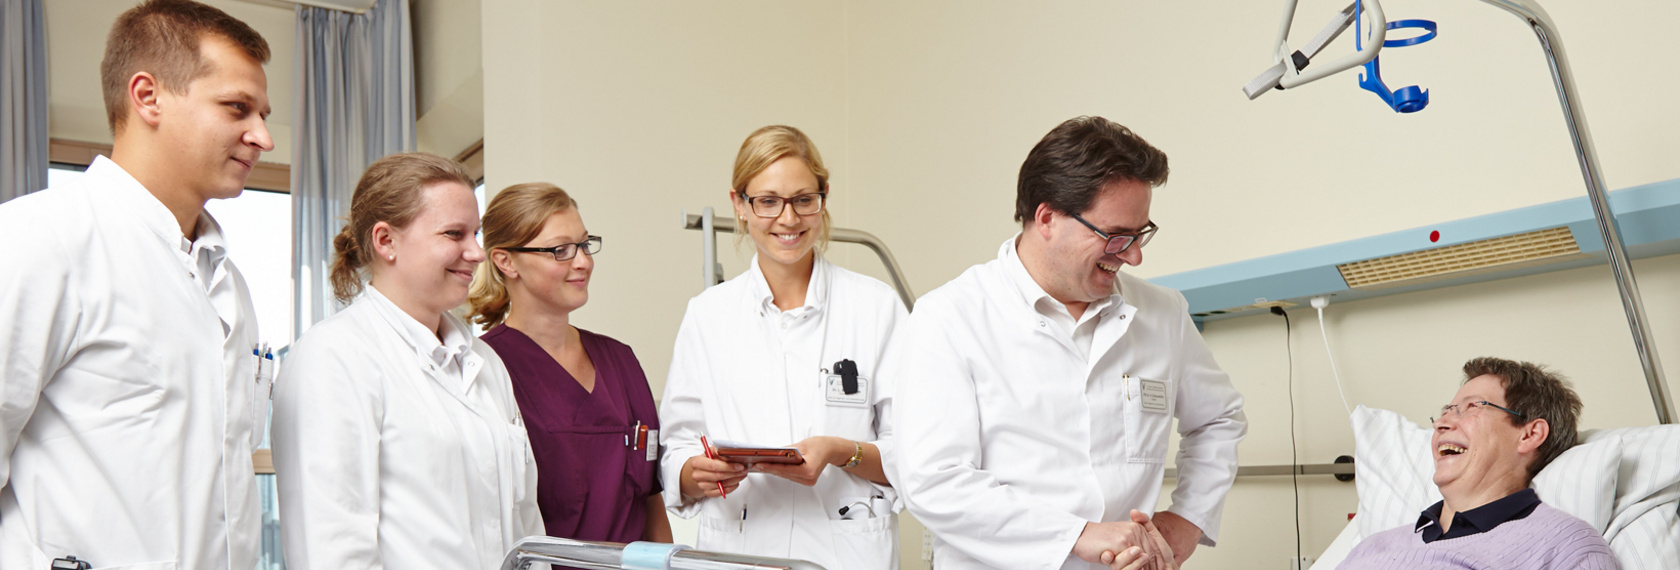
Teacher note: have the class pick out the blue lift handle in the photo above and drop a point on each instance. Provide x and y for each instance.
(1410, 99)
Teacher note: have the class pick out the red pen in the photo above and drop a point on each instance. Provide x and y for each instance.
(711, 455)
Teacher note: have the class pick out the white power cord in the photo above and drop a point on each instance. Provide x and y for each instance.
(1319, 303)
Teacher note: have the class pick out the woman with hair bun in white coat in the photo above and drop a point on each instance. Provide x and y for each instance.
(397, 441)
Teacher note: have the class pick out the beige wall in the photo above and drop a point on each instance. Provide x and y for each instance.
(76, 31)
(925, 110)
(448, 74)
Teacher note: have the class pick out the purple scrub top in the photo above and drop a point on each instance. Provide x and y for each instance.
(590, 484)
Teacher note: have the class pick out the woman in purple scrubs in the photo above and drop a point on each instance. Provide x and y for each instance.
(586, 402)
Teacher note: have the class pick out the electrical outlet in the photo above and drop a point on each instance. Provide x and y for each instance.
(1301, 563)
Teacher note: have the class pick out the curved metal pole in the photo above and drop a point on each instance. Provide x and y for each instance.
(1587, 156)
(860, 237)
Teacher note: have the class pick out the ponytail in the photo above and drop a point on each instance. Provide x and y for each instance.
(488, 296)
(347, 264)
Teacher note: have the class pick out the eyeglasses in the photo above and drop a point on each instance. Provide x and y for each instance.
(565, 251)
(1458, 411)
(1119, 243)
(772, 206)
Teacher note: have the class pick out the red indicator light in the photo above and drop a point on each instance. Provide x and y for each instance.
(1434, 236)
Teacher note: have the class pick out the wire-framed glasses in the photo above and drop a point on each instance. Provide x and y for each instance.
(772, 206)
(1118, 243)
(565, 251)
(1458, 410)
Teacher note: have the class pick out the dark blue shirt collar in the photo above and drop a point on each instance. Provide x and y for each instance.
(1478, 520)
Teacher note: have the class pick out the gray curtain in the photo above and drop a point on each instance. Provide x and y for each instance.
(23, 98)
(354, 95)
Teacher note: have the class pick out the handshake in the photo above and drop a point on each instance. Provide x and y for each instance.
(1130, 545)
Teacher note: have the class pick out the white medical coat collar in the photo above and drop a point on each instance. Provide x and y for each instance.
(1034, 296)
(816, 292)
(456, 343)
(151, 213)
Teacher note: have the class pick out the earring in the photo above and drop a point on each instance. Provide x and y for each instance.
(392, 257)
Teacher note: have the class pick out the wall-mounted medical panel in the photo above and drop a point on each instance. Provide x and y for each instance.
(1525, 241)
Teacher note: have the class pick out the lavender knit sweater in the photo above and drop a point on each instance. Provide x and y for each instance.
(1545, 539)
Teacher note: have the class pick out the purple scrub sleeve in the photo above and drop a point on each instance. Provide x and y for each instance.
(592, 480)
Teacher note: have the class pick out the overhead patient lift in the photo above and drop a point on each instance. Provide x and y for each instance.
(1290, 71)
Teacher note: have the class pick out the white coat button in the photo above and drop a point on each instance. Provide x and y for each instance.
(1122, 317)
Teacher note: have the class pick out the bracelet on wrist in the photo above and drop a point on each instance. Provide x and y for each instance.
(857, 457)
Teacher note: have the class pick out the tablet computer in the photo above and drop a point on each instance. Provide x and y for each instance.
(750, 454)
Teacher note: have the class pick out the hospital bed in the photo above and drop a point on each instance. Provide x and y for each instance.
(635, 556)
(1624, 482)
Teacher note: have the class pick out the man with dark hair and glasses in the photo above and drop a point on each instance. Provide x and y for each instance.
(1038, 390)
(1508, 421)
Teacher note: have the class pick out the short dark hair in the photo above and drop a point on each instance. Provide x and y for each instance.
(162, 37)
(1536, 393)
(1069, 166)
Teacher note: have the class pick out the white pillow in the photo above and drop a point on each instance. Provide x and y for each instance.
(1644, 529)
(1582, 481)
(1394, 471)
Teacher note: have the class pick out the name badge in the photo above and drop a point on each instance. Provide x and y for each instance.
(1154, 395)
(652, 445)
(835, 391)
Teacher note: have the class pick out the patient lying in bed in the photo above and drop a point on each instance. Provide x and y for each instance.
(1508, 420)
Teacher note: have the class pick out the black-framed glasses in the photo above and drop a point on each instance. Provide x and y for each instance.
(1458, 410)
(565, 251)
(772, 206)
(1119, 243)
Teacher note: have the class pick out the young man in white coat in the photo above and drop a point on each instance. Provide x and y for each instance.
(128, 392)
(1038, 389)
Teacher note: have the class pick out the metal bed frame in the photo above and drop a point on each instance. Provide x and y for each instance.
(635, 556)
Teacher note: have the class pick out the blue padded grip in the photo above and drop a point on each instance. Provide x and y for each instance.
(649, 555)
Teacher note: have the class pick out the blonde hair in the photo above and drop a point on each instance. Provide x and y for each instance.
(764, 147)
(514, 217)
(389, 191)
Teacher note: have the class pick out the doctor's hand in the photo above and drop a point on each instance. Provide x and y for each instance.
(819, 452)
(1120, 545)
(700, 476)
(1133, 558)
(1180, 534)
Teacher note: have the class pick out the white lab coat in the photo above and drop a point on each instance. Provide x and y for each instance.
(395, 450)
(127, 386)
(744, 371)
(1010, 441)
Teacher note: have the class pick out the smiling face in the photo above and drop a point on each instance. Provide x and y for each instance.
(435, 253)
(216, 127)
(788, 238)
(557, 287)
(1079, 271)
(1481, 455)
